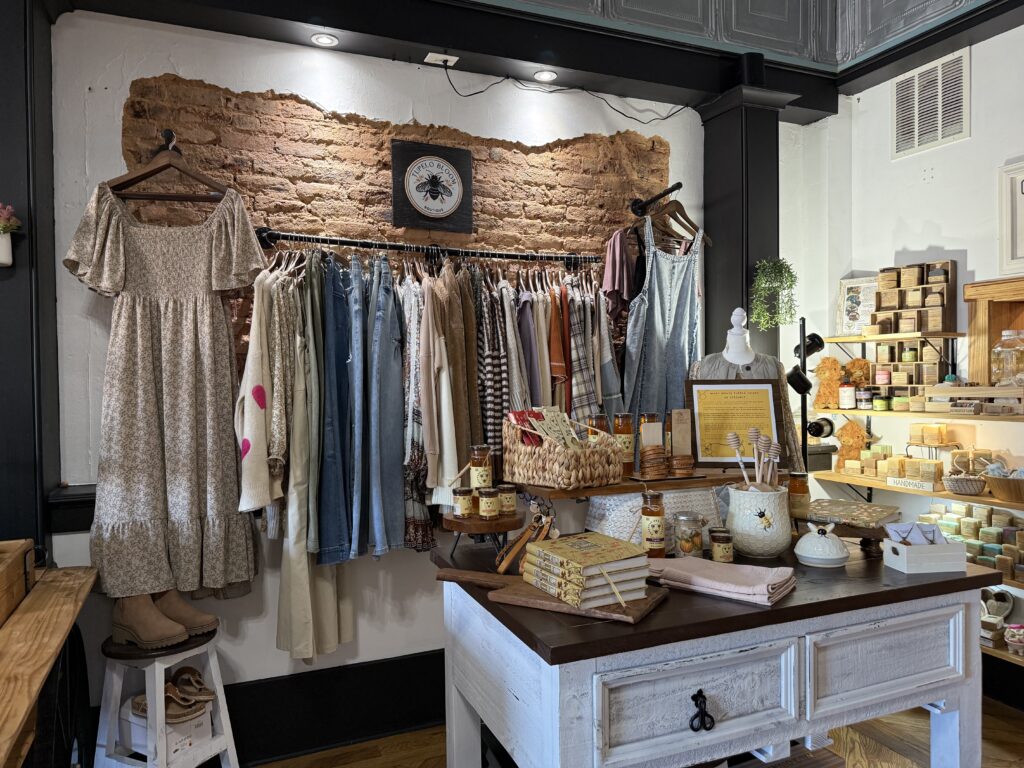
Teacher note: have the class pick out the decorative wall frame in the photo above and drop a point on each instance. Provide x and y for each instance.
(1011, 219)
(720, 407)
(431, 186)
(855, 303)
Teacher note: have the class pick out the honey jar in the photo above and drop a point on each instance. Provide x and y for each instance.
(463, 502)
(490, 507)
(596, 425)
(721, 545)
(624, 434)
(652, 534)
(668, 433)
(480, 466)
(506, 499)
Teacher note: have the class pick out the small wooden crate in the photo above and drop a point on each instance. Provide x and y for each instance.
(17, 574)
(935, 395)
(889, 299)
(929, 354)
(908, 321)
(926, 558)
(886, 321)
(885, 353)
(888, 278)
(932, 320)
(929, 373)
(913, 298)
(911, 275)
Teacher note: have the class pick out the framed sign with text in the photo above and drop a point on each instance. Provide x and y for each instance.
(720, 407)
(431, 187)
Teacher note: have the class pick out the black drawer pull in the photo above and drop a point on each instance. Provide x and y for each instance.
(701, 721)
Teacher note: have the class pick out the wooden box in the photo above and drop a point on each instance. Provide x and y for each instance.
(913, 297)
(929, 354)
(888, 278)
(908, 321)
(902, 379)
(911, 275)
(927, 558)
(17, 574)
(929, 373)
(932, 320)
(885, 353)
(935, 295)
(889, 299)
(992, 307)
(886, 321)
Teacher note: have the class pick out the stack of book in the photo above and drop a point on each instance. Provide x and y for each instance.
(588, 570)
(993, 638)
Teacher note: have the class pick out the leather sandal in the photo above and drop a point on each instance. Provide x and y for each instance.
(189, 681)
(178, 708)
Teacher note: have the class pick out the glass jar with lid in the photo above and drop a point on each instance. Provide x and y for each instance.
(624, 434)
(463, 502)
(688, 530)
(595, 426)
(489, 505)
(652, 524)
(506, 499)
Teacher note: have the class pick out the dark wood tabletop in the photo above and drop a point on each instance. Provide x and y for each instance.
(862, 583)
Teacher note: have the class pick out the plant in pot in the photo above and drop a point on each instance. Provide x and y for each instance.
(773, 302)
(8, 223)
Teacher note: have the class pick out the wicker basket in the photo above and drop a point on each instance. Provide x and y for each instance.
(1006, 488)
(555, 465)
(965, 485)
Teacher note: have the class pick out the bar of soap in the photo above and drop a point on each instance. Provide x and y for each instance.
(938, 508)
(961, 508)
(956, 517)
(882, 468)
(971, 558)
(989, 562)
(991, 549)
(1001, 519)
(949, 527)
(970, 527)
(929, 518)
(1004, 565)
(991, 535)
(1018, 571)
(912, 468)
(1020, 540)
(1012, 551)
(982, 513)
(1010, 533)
(974, 546)
(865, 454)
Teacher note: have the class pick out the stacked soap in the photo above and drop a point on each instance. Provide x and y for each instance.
(949, 527)
(974, 547)
(970, 527)
(1020, 540)
(929, 518)
(983, 513)
(972, 558)
(991, 535)
(1005, 566)
(1012, 551)
(991, 549)
(986, 561)
(1001, 519)
(1010, 533)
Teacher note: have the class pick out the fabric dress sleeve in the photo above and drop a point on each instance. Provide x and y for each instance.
(96, 254)
(236, 254)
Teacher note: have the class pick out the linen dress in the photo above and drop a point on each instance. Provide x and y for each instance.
(167, 486)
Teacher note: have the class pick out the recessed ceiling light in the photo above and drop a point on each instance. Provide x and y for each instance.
(324, 40)
(545, 76)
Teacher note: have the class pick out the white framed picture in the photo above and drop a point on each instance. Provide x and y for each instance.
(856, 303)
(1011, 219)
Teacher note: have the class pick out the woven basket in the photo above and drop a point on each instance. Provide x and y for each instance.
(965, 485)
(1006, 488)
(555, 465)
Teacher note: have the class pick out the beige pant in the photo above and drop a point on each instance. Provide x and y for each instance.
(313, 613)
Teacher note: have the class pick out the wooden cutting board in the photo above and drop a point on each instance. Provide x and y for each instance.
(512, 590)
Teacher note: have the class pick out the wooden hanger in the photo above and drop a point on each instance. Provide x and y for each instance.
(675, 211)
(169, 157)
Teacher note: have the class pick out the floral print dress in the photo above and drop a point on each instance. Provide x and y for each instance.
(167, 488)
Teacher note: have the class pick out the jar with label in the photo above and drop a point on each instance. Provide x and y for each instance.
(668, 433)
(506, 499)
(463, 502)
(721, 545)
(596, 425)
(652, 524)
(490, 507)
(480, 466)
(847, 395)
(909, 356)
(881, 403)
(688, 533)
(799, 495)
(883, 377)
(864, 397)
(624, 434)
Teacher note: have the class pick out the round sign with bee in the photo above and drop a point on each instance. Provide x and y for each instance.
(433, 186)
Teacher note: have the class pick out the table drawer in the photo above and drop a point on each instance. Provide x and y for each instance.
(867, 663)
(643, 713)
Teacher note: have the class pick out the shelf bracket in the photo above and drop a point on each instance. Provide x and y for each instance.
(867, 496)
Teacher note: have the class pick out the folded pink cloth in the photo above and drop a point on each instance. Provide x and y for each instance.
(747, 583)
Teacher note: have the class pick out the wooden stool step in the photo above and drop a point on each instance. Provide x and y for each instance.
(200, 652)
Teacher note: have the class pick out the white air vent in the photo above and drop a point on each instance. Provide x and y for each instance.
(931, 106)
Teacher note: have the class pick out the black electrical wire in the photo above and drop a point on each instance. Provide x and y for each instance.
(558, 89)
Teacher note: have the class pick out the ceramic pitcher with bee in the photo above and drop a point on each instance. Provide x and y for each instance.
(759, 522)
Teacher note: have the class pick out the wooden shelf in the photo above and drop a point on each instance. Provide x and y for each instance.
(1012, 583)
(632, 486)
(884, 338)
(1005, 655)
(872, 482)
(925, 415)
(30, 642)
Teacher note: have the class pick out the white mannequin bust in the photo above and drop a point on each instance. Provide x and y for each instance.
(737, 341)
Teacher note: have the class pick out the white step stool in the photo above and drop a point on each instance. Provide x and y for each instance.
(201, 651)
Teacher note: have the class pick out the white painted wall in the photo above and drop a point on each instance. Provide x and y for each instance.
(95, 59)
(940, 203)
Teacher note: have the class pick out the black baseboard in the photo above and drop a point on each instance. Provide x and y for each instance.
(1002, 680)
(283, 717)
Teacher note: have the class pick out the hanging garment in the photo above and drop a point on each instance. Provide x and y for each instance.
(450, 296)
(610, 382)
(438, 419)
(541, 322)
(251, 420)
(387, 507)
(469, 311)
(518, 386)
(312, 298)
(336, 472)
(282, 367)
(664, 323)
(419, 530)
(567, 344)
(167, 486)
(559, 372)
(528, 339)
(490, 378)
(584, 400)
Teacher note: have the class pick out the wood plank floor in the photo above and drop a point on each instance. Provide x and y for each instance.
(898, 741)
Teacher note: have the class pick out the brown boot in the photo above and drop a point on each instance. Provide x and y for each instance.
(136, 620)
(172, 605)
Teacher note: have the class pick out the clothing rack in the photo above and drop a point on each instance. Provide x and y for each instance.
(268, 238)
(639, 207)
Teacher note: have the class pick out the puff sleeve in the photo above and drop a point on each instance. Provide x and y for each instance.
(237, 257)
(96, 254)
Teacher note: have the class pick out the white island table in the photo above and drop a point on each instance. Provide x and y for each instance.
(848, 645)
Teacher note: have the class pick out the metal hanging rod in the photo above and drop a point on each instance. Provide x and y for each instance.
(269, 237)
(639, 207)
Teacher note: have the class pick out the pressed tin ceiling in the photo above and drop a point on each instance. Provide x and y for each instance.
(824, 34)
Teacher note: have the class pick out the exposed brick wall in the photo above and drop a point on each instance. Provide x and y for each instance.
(303, 169)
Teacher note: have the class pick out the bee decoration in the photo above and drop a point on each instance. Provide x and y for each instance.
(434, 188)
(766, 520)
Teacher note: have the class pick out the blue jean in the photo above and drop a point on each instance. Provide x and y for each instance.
(335, 467)
(387, 493)
(357, 391)
(661, 337)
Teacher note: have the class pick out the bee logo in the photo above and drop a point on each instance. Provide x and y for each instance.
(434, 188)
(766, 520)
